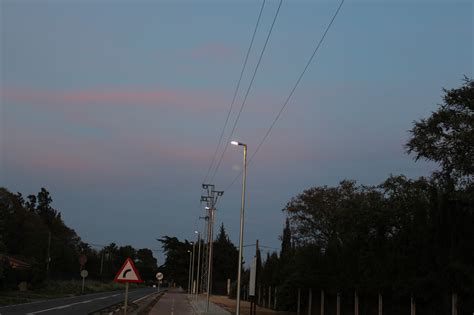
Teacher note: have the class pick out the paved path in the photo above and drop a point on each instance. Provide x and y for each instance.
(174, 302)
(200, 306)
(81, 304)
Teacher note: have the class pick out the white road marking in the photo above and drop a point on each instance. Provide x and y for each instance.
(69, 305)
(46, 300)
(144, 297)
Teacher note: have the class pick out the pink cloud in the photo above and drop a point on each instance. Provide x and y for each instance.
(68, 155)
(93, 96)
(87, 105)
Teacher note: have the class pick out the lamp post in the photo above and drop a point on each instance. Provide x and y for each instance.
(192, 270)
(189, 277)
(241, 238)
(209, 267)
(199, 261)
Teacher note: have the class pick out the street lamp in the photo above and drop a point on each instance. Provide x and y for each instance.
(192, 271)
(241, 238)
(199, 261)
(189, 277)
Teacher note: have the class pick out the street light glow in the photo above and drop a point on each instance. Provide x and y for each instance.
(234, 143)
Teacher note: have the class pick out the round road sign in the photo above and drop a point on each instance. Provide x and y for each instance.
(82, 260)
(84, 273)
(159, 276)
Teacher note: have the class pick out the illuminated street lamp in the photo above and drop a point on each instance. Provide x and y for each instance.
(241, 238)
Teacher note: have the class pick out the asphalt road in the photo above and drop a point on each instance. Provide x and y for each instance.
(82, 304)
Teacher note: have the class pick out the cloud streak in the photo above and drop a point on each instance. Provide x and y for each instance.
(188, 99)
(92, 96)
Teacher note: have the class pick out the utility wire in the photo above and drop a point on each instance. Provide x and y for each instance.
(292, 91)
(248, 89)
(235, 91)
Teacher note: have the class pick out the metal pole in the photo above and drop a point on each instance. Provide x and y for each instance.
(275, 298)
(299, 301)
(454, 304)
(211, 240)
(241, 239)
(310, 301)
(192, 271)
(205, 253)
(256, 280)
(338, 304)
(189, 277)
(322, 302)
(380, 304)
(126, 299)
(199, 263)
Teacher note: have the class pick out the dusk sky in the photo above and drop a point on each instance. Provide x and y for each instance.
(116, 107)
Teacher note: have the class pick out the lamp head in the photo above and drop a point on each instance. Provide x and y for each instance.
(238, 143)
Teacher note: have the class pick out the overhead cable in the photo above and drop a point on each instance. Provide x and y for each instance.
(235, 91)
(308, 63)
(248, 89)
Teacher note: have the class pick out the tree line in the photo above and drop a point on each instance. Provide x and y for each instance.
(33, 233)
(402, 238)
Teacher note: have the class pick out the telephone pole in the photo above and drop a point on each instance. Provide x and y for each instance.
(205, 253)
(211, 200)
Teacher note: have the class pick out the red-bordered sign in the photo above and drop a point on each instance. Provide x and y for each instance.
(128, 273)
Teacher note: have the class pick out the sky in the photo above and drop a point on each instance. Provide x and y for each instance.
(116, 107)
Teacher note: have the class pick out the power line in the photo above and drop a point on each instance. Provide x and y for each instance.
(235, 91)
(248, 89)
(292, 91)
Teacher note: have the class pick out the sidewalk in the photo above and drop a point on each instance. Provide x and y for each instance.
(230, 306)
(200, 306)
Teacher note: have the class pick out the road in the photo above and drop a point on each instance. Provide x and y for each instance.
(82, 304)
(173, 303)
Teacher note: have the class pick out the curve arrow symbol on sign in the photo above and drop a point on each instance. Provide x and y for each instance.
(128, 273)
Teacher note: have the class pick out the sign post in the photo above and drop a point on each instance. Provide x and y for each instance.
(84, 275)
(159, 277)
(128, 273)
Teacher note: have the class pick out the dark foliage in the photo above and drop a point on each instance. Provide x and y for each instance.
(29, 228)
(403, 238)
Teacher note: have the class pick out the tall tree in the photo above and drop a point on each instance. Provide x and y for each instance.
(146, 264)
(176, 266)
(224, 263)
(447, 136)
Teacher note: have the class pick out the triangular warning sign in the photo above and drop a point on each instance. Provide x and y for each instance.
(128, 273)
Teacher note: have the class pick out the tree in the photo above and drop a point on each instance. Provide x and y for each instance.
(146, 264)
(224, 264)
(176, 266)
(447, 136)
